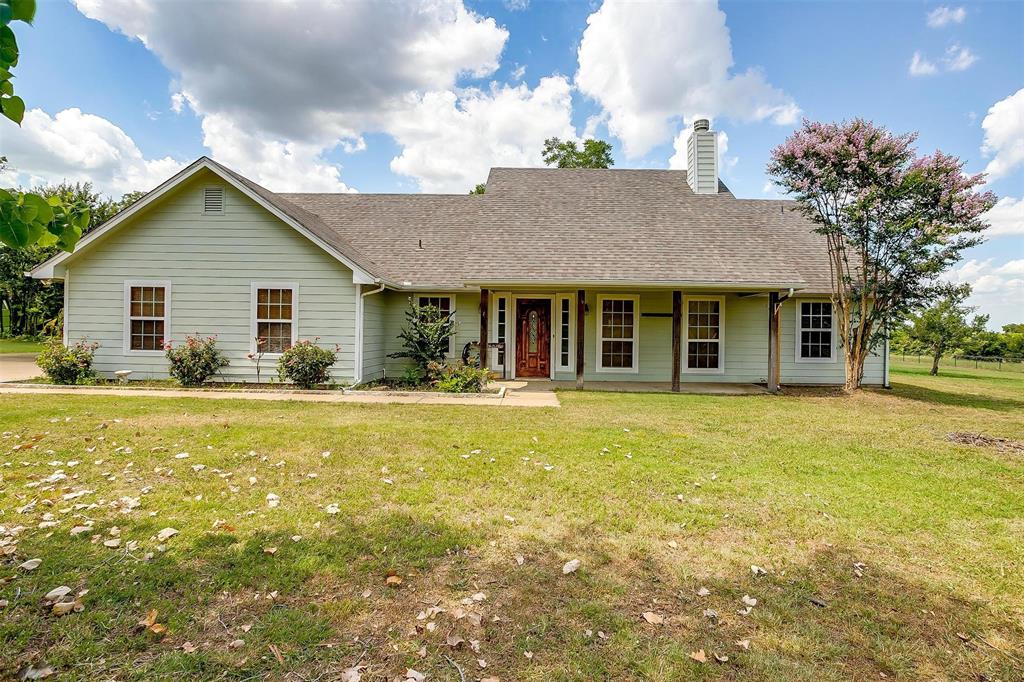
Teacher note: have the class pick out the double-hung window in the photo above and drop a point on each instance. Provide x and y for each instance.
(274, 316)
(814, 327)
(147, 307)
(704, 322)
(617, 333)
(442, 303)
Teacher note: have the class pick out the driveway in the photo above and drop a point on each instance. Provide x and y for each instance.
(18, 366)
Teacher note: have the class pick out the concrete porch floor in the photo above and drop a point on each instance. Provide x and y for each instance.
(692, 388)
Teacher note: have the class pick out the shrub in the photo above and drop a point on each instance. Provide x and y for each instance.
(306, 364)
(195, 362)
(68, 365)
(460, 378)
(426, 336)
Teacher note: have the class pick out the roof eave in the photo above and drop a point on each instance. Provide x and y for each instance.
(53, 268)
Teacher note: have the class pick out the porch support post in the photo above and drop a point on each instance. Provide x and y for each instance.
(677, 338)
(485, 299)
(774, 348)
(581, 332)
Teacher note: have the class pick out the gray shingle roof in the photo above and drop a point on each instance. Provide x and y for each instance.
(573, 226)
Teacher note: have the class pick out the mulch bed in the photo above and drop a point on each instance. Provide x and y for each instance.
(983, 441)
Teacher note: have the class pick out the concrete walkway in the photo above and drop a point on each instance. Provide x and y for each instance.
(510, 399)
(691, 387)
(18, 366)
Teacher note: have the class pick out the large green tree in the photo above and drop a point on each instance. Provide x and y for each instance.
(944, 327)
(893, 222)
(28, 304)
(568, 154)
(27, 218)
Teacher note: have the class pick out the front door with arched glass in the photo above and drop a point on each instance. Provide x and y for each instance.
(533, 338)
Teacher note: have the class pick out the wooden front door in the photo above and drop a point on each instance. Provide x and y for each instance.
(533, 338)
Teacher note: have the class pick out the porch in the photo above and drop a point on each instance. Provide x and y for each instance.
(642, 339)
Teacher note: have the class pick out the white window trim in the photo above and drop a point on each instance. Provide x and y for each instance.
(686, 335)
(455, 318)
(65, 332)
(571, 367)
(254, 287)
(598, 366)
(797, 335)
(127, 341)
(492, 353)
(224, 200)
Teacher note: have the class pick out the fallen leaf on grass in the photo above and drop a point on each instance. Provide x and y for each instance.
(414, 675)
(57, 593)
(743, 644)
(454, 641)
(571, 566)
(748, 600)
(63, 608)
(721, 658)
(31, 565)
(31, 673)
(332, 509)
(653, 618)
(757, 570)
(189, 648)
(236, 644)
(699, 656)
(150, 625)
(703, 592)
(393, 579)
(277, 653)
(352, 674)
(270, 550)
(166, 534)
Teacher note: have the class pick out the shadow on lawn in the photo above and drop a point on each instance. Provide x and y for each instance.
(333, 610)
(958, 399)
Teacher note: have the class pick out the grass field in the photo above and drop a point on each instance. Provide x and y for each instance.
(886, 549)
(20, 346)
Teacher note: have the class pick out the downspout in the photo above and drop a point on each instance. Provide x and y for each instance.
(357, 373)
(885, 360)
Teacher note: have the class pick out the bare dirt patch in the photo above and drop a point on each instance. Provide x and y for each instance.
(982, 440)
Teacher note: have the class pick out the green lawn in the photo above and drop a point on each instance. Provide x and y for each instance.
(888, 549)
(20, 346)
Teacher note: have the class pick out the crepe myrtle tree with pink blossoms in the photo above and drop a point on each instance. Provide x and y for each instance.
(894, 221)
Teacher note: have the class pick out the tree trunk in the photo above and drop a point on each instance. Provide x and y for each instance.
(935, 364)
(854, 366)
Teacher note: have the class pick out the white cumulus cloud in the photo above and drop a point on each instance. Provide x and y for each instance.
(996, 288)
(1004, 135)
(919, 66)
(942, 16)
(1006, 218)
(297, 79)
(80, 147)
(450, 140)
(959, 58)
(650, 64)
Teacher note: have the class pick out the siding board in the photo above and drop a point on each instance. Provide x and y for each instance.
(211, 261)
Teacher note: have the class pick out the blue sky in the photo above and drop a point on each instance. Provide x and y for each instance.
(392, 98)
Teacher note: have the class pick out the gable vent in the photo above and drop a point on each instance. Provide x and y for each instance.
(213, 200)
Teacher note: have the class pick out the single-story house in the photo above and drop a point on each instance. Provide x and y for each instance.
(583, 275)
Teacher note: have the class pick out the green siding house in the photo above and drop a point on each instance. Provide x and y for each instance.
(573, 275)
